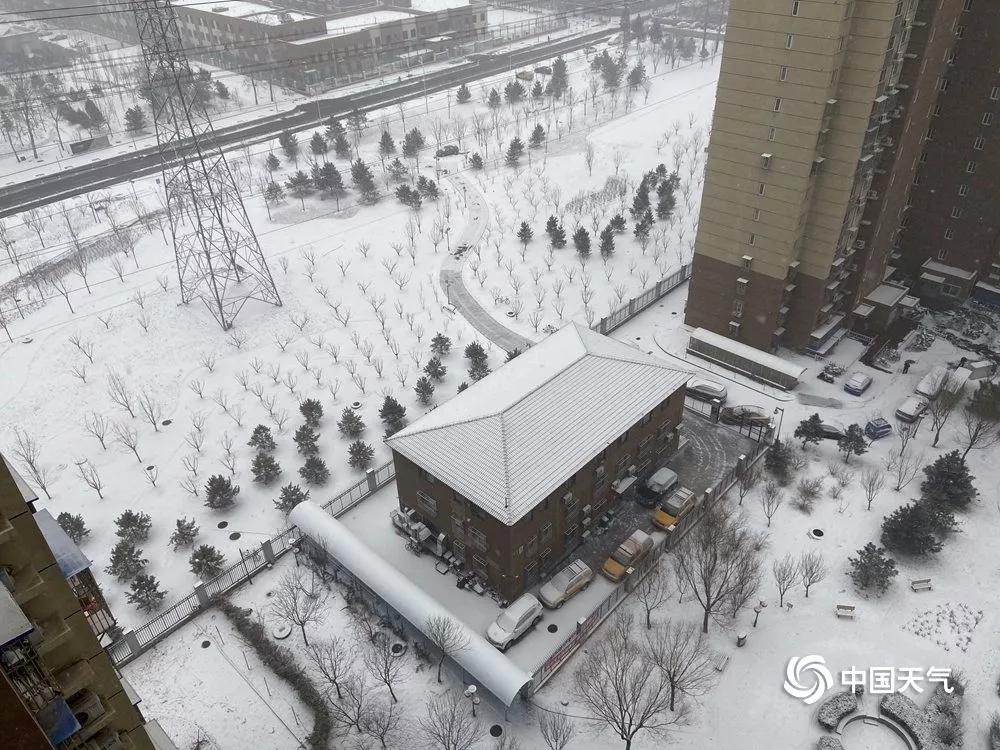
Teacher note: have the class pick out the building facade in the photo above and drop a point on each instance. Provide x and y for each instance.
(948, 241)
(811, 117)
(559, 450)
(58, 687)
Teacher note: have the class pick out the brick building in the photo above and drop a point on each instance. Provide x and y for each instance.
(512, 470)
(58, 687)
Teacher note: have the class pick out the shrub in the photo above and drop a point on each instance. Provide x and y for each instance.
(206, 562)
(872, 569)
(126, 561)
(806, 493)
(911, 529)
(184, 533)
(350, 424)
(145, 592)
(262, 439)
(306, 440)
(265, 468)
(361, 454)
(73, 525)
(312, 412)
(220, 492)
(291, 495)
(314, 471)
(133, 527)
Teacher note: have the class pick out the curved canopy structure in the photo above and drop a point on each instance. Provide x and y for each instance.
(490, 669)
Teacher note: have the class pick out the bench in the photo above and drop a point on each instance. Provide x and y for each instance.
(721, 662)
(921, 584)
(845, 610)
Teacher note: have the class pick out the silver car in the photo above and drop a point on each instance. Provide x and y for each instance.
(569, 581)
(706, 390)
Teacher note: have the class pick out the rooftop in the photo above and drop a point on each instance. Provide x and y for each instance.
(344, 25)
(435, 5)
(247, 10)
(69, 557)
(943, 268)
(886, 294)
(511, 439)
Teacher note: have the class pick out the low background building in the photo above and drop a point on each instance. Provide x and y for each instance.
(511, 471)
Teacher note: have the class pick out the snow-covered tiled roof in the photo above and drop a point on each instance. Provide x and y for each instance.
(511, 439)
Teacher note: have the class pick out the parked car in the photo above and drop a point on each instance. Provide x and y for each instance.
(524, 75)
(706, 390)
(544, 70)
(877, 428)
(569, 581)
(450, 150)
(858, 383)
(832, 431)
(629, 552)
(911, 409)
(523, 614)
(931, 384)
(747, 414)
(676, 506)
(653, 489)
(589, 50)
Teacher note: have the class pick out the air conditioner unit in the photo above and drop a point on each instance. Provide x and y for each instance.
(873, 195)
(859, 244)
(586, 510)
(86, 707)
(586, 521)
(888, 141)
(568, 497)
(106, 739)
(631, 469)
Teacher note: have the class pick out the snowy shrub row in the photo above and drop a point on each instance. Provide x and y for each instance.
(829, 743)
(836, 708)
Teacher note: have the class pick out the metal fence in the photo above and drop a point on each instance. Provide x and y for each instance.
(588, 625)
(636, 305)
(134, 642)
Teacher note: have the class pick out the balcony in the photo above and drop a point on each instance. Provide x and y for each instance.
(25, 584)
(75, 677)
(6, 529)
(49, 634)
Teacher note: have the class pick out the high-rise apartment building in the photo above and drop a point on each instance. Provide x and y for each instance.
(949, 242)
(820, 114)
(58, 687)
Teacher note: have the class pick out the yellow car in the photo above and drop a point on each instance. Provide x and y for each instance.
(628, 553)
(673, 508)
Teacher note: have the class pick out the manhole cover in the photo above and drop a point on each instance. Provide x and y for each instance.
(150, 467)
(281, 632)
(815, 533)
(234, 536)
(222, 524)
(206, 644)
(167, 422)
(397, 649)
(638, 338)
(552, 628)
(496, 730)
(510, 313)
(355, 404)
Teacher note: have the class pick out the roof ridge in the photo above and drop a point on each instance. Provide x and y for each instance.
(506, 468)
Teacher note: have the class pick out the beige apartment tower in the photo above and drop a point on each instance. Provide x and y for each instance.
(816, 100)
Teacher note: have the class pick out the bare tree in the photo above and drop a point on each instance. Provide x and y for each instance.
(811, 569)
(977, 432)
(333, 660)
(381, 722)
(119, 392)
(448, 636)
(588, 156)
(127, 438)
(449, 723)
(384, 665)
(88, 473)
(747, 481)
(59, 284)
(680, 651)
(28, 453)
(872, 482)
(151, 409)
(653, 592)
(97, 425)
(298, 603)
(557, 731)
(770, 500)
(716, 558)
(352, 709)
(786, 574)
(902, 466)
(616, 685)
(941, 408)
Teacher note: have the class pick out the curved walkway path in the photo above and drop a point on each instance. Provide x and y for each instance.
(453, 284)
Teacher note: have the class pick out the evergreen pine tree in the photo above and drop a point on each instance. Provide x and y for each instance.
(641, 200)
(314, 471)
(911, 530)
(872, 569)
(617, 224)
(360, 454)
(479, 370)
(350, 424)
(145, 593)
(551, 225)
(220, 492)
(424, 389)
(265, 468)
(290, 496)
(312, 412)
(317, 144)
(333, 129)
(476, 161)
(665, 201)
(440, 344)
(560, 77)
(306, 440)
(393, 414)
(853, 442)
(463, 94)
(948, 482)
(135, 119)
(126, 561)
(184, 534)
(206, 562)
(262, 439)
(581, 241)
(493, 99)
(558, 237)
(133, 527)
(607, 242)
(434, 369)
(537, 136)
(386, 144)
(342, 147)
(474, 352)
(537, 91)
(73, 525)
(462, 386)
(809, 430)
(271, 162)
(524, 234)
(514, 152)
(778, 462)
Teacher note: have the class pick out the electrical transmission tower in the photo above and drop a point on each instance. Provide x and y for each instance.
(219, 259)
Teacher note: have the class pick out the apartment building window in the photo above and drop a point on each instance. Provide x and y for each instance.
(963, 190)
(942, 254)
(752, 239)
(971, 167)
(968, 5)
(789, 41)
(425, 475)
(979, 143)
(949, 234)
(937, 110)
(737, 308)
(546, 532)
(956, 212)
(734, 329)
(478, 538)
(772, 133)
(427, 503)
(783, 73)
(756, 214)
(777, 104)
(951, 57)
(960, 32)
(747, 261)
(795, 8)
(995, 93)
(923, 157)
(943, 84)
(987, 118)
(741, 287)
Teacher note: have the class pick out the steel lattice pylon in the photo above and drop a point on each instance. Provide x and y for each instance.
(219, 259)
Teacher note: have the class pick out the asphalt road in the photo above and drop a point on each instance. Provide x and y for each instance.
(85, 178)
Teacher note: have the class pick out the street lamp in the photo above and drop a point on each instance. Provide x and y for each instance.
(781, 418)
(757, 610)
(447, 237)
(447, 289)
(471, 694)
